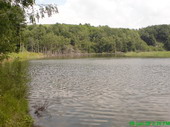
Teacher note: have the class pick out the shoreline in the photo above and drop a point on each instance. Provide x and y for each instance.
(14, 104)
(152, 54)
(21, 56)
(14, 108)
(33, 55)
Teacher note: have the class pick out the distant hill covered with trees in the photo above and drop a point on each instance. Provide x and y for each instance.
(63, 38)
(156, 36)
(16, 36)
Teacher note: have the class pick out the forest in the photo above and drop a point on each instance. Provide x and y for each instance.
(17, 36)
(65, 38)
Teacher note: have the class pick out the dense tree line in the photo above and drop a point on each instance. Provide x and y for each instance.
(157, 36)
(15, 36)
(63, 38)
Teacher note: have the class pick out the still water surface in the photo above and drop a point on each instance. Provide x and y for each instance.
(99, 92)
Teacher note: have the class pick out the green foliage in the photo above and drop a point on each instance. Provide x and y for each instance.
(13, 95)
(24, 55)
(154, 35)
(11, 20)
(24, 3)
(62, 38)
(153, 54)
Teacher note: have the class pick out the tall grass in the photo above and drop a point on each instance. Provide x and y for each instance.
(155, 54)
(25, 55)
(21, 56)
(13, 95)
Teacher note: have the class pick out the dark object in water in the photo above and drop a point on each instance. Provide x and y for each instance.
(41, 108)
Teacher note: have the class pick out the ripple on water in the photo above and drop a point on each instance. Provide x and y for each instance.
(99, 92)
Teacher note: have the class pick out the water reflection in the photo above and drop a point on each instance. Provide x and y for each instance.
(100, 92)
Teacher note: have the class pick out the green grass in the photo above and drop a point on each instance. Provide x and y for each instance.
(155, 54)
(25, 55)
(14, 111)
(20, 56)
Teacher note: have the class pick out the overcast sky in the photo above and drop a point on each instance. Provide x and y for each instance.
(114, 13)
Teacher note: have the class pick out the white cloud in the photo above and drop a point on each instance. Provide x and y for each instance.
(115, 13)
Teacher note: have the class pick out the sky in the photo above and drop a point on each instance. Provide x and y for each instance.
(114, 13)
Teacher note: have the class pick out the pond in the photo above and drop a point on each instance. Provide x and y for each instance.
(99, 92)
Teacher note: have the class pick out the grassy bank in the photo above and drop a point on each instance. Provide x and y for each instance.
(14, 111)
(156, 54)
(25, 55)
(20, 56)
